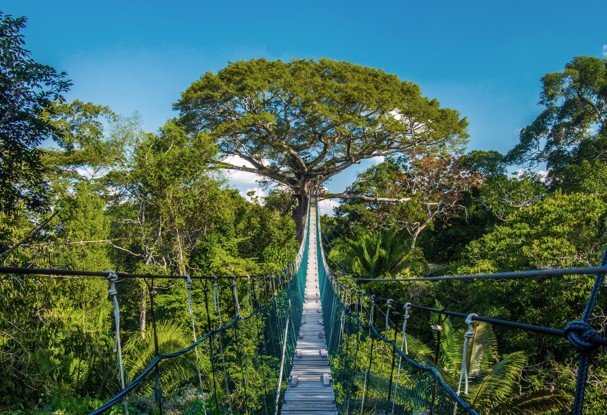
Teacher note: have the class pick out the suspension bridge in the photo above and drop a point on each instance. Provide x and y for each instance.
(302, 342)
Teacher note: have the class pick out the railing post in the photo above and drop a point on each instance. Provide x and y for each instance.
(235, 295)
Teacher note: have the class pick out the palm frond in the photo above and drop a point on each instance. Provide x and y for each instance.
(498, 384)
(140, 352)
(482, 349)
(537, 402)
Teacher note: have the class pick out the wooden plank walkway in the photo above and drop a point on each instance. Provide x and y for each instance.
(310, 390)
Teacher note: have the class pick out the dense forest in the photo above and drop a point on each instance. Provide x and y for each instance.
(84, 188)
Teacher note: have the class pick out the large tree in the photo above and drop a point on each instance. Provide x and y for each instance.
(26, 87)
(570, 135)
(301, 122)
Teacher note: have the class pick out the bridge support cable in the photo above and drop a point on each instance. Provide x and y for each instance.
(282, 362)
(211, 356)
(585, 339)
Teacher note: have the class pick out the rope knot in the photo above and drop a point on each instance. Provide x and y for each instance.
(111, 276)
(581, 335)
(470, 321)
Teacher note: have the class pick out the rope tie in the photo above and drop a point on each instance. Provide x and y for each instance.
(467, 337)
(112, 277)
(372, 313)
(583, 337)
(255, 292)
(368, 372)
(112, 291)
(405, 319)
(235, 294)
(388, 304)
(403, 346)
(215, 296)
(188, 287)
(249, 291)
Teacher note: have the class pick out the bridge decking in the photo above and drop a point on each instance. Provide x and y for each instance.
(309, 394)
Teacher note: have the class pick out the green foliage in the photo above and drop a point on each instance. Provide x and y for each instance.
(140, 352)
(559, 231)
(377, 256)
(420, 191)
(489, 164)
(26, 87)
(153, 207)
(79, 129)
(495, 384)
(56, 332)
(573, 126)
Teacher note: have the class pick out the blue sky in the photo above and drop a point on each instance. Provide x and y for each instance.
(483, 58)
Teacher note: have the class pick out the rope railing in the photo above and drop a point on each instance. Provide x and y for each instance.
(357, 333)
(237, 368)
(50, 272)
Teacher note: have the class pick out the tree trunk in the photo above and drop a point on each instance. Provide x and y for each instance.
(300, 214)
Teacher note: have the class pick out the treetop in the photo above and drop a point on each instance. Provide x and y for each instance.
(307, 120)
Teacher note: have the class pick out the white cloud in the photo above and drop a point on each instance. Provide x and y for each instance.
(240, 177)
(325, 207)
(605, 51)
(377, 159)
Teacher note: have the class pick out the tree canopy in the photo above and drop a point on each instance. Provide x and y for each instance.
(26, 87)
(299, 123)
(572, 128)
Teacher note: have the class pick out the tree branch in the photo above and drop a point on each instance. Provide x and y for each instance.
(33, 232)
(265, 172)
(364, 197)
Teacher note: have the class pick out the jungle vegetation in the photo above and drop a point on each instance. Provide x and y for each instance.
(102, 194)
